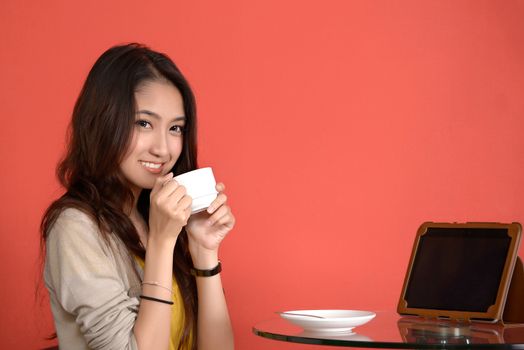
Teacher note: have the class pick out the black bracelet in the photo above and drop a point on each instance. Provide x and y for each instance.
(156, 299)
(207, 273)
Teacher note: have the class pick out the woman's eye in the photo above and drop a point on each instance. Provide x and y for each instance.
(143, 123)
(177, 129)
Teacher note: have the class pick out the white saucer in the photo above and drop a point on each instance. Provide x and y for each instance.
(335, 335)
(333, 321)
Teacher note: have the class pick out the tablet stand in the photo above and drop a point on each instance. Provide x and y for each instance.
(514, 308)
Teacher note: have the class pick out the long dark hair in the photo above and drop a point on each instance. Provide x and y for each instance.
(99, 135)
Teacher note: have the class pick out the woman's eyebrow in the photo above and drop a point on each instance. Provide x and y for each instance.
(156, 116)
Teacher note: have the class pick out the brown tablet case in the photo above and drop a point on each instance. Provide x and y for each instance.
(468, 271)
(514, 310)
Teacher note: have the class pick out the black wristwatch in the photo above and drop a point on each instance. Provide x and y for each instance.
(207, 273)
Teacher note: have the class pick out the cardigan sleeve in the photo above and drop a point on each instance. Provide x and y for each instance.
(84, 275)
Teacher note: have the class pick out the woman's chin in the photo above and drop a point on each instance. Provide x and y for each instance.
(145, 185)
(148, 186)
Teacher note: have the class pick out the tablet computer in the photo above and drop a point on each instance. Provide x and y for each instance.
(460, 271)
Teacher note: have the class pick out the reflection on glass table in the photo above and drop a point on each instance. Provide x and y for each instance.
(389, 330)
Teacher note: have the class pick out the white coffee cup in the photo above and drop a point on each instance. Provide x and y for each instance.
(200, 186)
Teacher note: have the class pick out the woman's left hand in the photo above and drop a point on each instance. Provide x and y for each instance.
(207, 229)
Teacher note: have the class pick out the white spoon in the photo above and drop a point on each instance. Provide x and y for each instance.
(297, 314)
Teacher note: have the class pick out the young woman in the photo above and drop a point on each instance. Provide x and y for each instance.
(127, 266)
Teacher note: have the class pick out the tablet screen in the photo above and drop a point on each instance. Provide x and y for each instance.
(458, 269)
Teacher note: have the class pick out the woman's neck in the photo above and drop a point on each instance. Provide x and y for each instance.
(140, 225)
(137, 219)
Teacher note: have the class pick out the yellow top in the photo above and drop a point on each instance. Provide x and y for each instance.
(177, 316)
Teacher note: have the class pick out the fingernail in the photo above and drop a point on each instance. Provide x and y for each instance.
(210, 209)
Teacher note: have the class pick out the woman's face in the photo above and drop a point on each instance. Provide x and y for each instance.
(157, 138)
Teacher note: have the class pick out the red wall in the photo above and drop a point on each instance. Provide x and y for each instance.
(338, 126)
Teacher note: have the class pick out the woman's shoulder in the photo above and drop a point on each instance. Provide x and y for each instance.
(72, 216)
(73, 224)
(76, 230)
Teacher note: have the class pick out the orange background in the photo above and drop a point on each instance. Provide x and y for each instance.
(339, 126)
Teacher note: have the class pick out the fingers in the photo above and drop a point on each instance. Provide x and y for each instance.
(182, 209)
(222, 216)
(160, 182)
(185, 203)
(217, 203)
(173, 190)
(167, 187)
(170, 197)
(220, 212)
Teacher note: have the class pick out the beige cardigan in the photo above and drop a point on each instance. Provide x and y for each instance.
(93, 292)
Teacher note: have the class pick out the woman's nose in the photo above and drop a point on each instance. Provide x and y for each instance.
(159, 145)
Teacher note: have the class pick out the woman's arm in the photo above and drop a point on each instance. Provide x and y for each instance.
(153, 324)
(206, 231)
(85, 282)
(214, 325)
(169, 211)
(87, 288)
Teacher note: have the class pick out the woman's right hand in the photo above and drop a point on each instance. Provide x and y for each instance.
(170, 208)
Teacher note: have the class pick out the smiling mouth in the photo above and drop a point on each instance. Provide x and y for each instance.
(152, 167)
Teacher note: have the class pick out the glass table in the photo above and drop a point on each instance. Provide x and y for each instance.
(389, 330)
